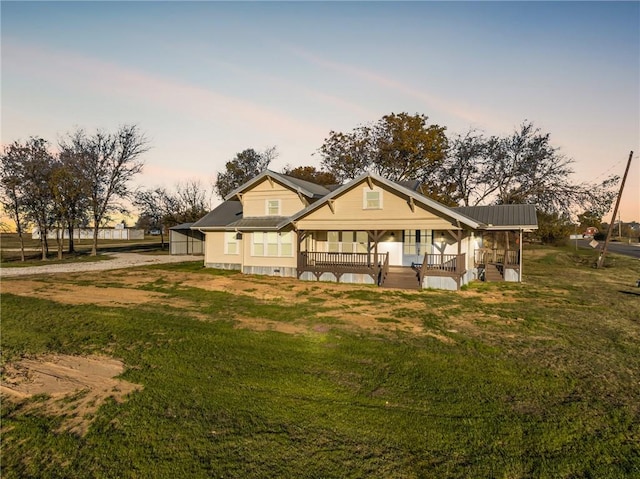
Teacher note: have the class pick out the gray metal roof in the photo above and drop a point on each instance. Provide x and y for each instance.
(183, 226)
(318, 190)
(260, 223)
(222, 215)
(310, 190)
(502, 216)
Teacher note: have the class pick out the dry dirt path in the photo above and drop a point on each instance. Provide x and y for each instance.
(118, 261)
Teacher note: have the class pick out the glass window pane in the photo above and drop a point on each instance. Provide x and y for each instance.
(286, 249)
(286, 237)
(258, 249)
(373, 199)
(258, 237)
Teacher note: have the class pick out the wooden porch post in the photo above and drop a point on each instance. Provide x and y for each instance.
(520, 258)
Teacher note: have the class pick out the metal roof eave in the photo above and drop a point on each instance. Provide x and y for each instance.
(276, 176)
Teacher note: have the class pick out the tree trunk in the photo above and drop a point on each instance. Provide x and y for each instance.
(43, 245)
(94, 247)
(59, 240)
(71, 243)
(19, 230)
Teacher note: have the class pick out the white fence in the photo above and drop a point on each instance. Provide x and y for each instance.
(87, 233)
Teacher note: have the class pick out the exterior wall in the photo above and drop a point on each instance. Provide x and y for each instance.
(345, 278)
(285, 272)
(350, 214)
(214, 251)
(254, 200)
(186, 242)
(439, 282)
(511, 274)
(277, 262)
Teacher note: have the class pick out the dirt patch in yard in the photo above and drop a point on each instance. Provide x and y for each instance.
(77, 294)
(129, 288)
(73, 387)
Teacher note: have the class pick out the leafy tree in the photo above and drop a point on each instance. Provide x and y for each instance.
(310, 173)
(246, 165)
(12, 187)
(398, 146)
(156, 205)
(553, 228)
(70, 191)
(34, 165)
(589, 218)
(108, 161)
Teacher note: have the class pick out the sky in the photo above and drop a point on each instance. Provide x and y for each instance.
(206, 80)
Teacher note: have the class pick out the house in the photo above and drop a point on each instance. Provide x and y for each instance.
(369, 230)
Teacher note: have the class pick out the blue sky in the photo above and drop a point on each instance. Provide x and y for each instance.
(205, 80)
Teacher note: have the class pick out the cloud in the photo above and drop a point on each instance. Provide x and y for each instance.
(107, 81)
(437, 102)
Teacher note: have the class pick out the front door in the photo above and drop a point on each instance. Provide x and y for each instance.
(415, 243)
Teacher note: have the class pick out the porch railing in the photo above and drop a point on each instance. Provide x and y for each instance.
(497, 256)
(443, 264)
(376, 266)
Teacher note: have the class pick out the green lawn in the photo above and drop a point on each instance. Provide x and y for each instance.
(540, 379)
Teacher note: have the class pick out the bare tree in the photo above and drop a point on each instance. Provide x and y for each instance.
(523, 167)
(191, 199)
(109, 161)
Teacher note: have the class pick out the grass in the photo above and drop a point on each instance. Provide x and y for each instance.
(539, 379)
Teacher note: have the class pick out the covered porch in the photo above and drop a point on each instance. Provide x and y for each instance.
(384, 255)
(499, 258)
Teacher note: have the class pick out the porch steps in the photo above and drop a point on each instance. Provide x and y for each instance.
(401, 278)
(492, 273)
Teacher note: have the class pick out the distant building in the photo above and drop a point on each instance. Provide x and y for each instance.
(117, 233)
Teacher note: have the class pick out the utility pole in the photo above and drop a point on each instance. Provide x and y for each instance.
(613, 217)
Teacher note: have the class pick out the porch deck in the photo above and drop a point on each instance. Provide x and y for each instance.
(338, 264)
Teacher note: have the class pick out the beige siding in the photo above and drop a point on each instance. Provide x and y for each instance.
(275, 261)
(214, 249)
(254, 202)
(350, 214)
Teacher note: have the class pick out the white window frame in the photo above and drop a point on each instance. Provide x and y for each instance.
(230, 238)
(365, 201)
(268, 206)
(262, 239)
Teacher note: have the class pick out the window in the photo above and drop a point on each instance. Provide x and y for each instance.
(417, 242)
(272, 243)
(372, 199)
(273, 207)
(347, 242)
(230, 243)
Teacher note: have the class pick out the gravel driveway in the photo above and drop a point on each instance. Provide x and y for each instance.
(117, 261)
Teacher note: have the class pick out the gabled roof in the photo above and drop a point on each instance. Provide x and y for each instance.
(409, 193)
(224, 214)
(502, 217)
(306, 188)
